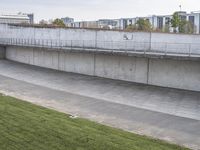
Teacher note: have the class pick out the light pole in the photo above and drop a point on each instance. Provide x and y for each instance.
(180, 7)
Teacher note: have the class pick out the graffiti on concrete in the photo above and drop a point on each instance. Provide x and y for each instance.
(128, 36)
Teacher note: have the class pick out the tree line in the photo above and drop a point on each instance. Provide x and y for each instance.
(177, 24)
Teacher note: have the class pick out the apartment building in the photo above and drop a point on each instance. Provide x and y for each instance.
(160, 22)
(164, 21)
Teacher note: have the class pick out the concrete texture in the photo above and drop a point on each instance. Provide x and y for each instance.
(98, 38)
(70, 62)
(121, 68)
(2, 52)
(86, 97)
(181, 74)
(170, 101)
(173, 73)
(182, 43)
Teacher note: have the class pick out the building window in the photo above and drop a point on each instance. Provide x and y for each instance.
(160, 22)
(191, 19)
(167, 21)
(130, 22)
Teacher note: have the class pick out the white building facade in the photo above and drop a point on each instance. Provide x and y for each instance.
(17, 18)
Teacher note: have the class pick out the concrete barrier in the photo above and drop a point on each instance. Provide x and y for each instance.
(179, 74)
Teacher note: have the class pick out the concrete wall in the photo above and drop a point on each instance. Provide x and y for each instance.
(175, 73)
(161, 72)
(70, 62)
(181, 43)
(2, 52)
(122, 68)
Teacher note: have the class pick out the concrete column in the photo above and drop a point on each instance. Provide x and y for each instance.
(2, 52)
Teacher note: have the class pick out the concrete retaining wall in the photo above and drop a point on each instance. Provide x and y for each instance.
(122, 68)
(161, 72)
(2, 52)
(70, 62)
(175, 73)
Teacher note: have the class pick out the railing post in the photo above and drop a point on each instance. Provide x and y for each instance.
(60, 44)
(190, 50)
(125, 46)
(146, 49)
(165, 48)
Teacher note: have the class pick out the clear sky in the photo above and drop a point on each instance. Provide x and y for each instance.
(96, 9)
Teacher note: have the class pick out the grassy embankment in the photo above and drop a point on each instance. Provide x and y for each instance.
(24, 126)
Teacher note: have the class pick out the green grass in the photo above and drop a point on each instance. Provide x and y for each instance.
(24, 126)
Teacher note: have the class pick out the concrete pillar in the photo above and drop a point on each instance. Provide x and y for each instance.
(2, 52)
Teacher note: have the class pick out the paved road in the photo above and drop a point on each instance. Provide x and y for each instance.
(163, 113)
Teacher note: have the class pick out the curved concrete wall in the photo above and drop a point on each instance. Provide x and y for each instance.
(161, 72)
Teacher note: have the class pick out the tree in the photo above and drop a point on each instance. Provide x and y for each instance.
(143, 25)
(131, 28)
(167, 28)
(186, 27)
(175, 21)
(182, 25)
(58, 22)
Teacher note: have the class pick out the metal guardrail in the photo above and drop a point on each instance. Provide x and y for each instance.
(177, 49)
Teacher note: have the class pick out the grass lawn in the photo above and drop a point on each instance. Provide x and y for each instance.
(24, 126)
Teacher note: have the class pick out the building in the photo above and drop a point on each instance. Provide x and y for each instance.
(31, 18)
(109, 23)
(159, 23)
(84, 24)
(163, 22)
(102, 23)
(19, 18)
(67, 21)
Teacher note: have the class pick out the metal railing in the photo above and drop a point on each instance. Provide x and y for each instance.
(185, 49)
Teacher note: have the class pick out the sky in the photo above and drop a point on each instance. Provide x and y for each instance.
(96, 9)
